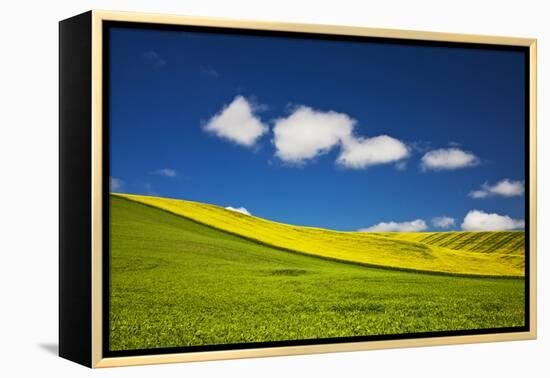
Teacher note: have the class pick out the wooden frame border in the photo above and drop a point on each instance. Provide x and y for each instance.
(98, 17)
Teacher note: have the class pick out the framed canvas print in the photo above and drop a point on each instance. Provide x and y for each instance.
(234, 189)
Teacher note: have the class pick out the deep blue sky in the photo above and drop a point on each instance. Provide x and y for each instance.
(166, 84)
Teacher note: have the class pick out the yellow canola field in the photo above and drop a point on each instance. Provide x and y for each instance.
(426, 252)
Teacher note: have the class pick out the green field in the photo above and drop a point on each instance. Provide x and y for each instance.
(177, 282)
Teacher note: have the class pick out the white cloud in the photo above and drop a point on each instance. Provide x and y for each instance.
(443, 222)
(308, 133)
(412, 226)
(115, 184)
(448, 159)
(477, 220)
(209, 71)
(505, 188)
(401, 165)
(237, 123)
(360, 153)
(154, 59)
(420, 146)
(508, 188)
(166, 172)
(479, 194)
(241, 210)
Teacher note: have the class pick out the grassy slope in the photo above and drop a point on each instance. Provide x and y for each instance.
(175, 282)
(360, 247)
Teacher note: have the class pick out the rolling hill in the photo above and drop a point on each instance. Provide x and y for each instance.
(470, 253)
(176, 282)
(508, 245)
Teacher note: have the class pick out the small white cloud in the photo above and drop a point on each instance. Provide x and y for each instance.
(479, 194)
(209, 71)
(154, 59)
(241, 210)
(166, 172)
(412, 226)
(307, 133)
(420, 146)
(360, 153)
(115, 184)
(505, 188)
(237, 123)
(443, 222)
(508, 188)
(477, 220)
(401, 165)
(448, 159)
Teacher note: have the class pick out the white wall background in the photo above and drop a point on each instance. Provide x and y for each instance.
(28, 189)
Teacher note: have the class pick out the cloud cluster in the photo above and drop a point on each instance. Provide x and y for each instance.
(448, 159)
(166, 172)
(241, 210)
(443, 222)
(307, 133)
(237, 123)
(477, 220)
(115, 184)
(411, 226)
(505, 188)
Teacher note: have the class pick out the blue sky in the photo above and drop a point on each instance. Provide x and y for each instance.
(341, 135)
